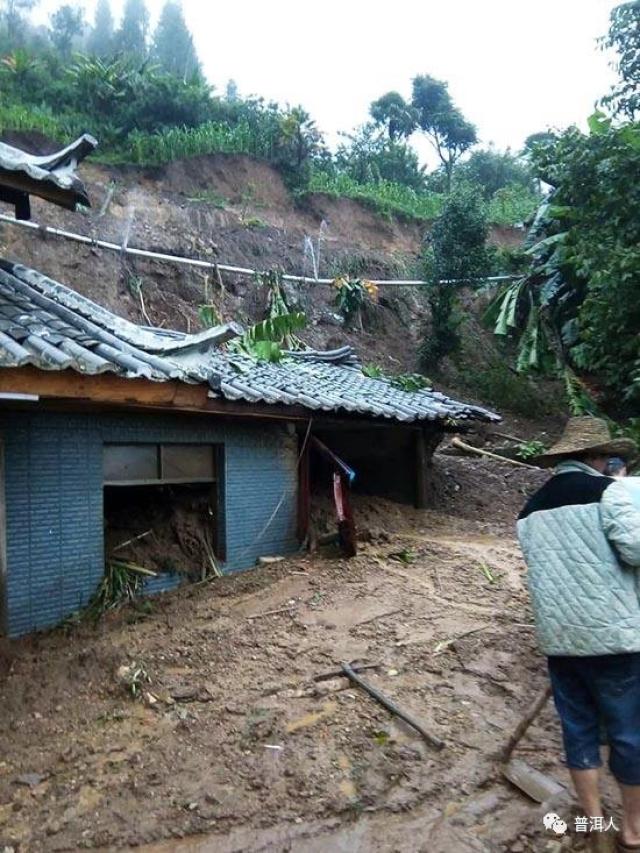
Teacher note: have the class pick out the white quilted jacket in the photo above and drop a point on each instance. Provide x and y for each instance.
(582, 575)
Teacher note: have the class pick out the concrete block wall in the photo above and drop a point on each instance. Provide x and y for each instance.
(54, 500)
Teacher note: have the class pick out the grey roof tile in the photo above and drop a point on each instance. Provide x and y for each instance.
(47, 325)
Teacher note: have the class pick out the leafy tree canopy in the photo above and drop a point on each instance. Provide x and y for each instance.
(624, 38)
(100, 41)
(392, 112)
(457, 255)
(173, 47)
(579, 304)
(442, 122)
(369, 156)
(14, 18)
(131, 37)
(494, 170)
(67, 23)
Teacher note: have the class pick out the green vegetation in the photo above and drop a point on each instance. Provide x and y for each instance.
(384, 196)
(530, 449)
(267, 340)
(496, 384)
(457, 255)
(352, 297)
(143, 95)
(122, 582)
(509, 205)
(575, 312)
(577, 305)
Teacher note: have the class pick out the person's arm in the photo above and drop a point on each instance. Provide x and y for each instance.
(621, 522)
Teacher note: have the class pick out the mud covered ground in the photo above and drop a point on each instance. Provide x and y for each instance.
(231, 745)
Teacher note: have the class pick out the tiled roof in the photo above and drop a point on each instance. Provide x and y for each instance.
(47, 325)
(51, 177)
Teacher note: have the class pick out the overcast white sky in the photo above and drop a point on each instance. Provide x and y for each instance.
(514, 67)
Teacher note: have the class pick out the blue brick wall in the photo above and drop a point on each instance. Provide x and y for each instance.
(54, 511)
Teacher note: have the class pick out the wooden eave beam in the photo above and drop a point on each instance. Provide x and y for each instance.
(67, 387)
(108, 389)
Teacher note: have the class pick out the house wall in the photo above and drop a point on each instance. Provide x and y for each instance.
(54, 500)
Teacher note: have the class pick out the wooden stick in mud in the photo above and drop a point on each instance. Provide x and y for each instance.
(532, 712)
(467, 448)
(431, 739)
(131, 541)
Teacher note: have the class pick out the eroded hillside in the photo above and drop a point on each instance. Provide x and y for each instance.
(237, 211)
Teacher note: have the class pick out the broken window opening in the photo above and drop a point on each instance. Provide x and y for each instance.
(163, 507)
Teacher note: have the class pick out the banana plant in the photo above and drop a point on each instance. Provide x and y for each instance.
(266, 341)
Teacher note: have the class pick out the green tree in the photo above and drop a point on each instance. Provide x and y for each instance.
(131, 37)
(624, 38)
(442, 122)
(101, 37)
(298, 142)
(535, 139)
(368, 156)
(392, 112)
(173, 47)
(494, 170)
(457, 255)
(14, 16)
(67, 23)
(231, 91)
(578, 305)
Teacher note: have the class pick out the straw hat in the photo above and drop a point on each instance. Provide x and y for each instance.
(588, 436)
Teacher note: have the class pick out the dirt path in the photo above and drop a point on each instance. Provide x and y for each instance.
(234, 746)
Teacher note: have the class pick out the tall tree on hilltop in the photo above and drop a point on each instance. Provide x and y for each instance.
(173, 47)
(131, 38)
(624, 38)
(13, 15)
(101, 38)
(442, 122)
(392, 112)
(67, 23)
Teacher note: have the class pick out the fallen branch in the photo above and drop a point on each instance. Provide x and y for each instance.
(431, 739)
(520, 730)
(467, 448)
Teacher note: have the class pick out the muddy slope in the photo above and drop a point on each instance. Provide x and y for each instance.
(233, 738)
(238, 211)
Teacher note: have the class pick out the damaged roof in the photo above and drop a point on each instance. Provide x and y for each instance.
(51, 177)
(47, 325)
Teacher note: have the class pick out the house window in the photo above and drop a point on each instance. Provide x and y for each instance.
(163, 506)
(148, 464)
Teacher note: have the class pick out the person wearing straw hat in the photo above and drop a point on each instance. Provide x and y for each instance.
(580, 535)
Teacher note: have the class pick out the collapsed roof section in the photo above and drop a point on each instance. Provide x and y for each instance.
(46, 325)
(51, 177)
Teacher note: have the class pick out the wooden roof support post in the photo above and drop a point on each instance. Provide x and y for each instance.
(425, 442)
(420, 445)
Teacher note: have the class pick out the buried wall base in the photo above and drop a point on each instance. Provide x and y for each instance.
(54, 497)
